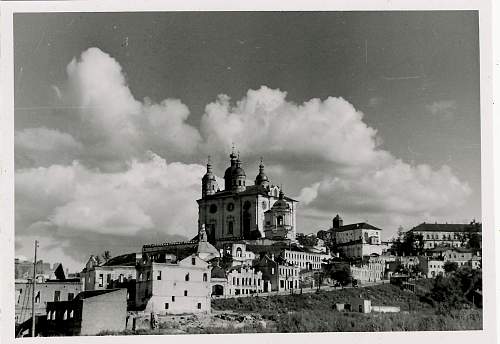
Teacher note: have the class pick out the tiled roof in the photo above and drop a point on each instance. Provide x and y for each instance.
(447, 227)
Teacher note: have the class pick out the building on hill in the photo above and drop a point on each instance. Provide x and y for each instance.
(118, 272)
(448, 234)
(355, 240)
(241, 211)
(460, 255)
(244, 280)
(432, 267)
(174, 288)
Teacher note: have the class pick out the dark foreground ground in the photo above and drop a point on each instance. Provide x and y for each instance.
(315, 313)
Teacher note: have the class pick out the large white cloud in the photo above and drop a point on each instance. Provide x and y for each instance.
(347, 168)
(263, 121)
(72, 201)
(111, 123)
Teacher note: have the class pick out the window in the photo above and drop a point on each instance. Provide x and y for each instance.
(71, 314)
(185, 293)
(148, 275)
(166, 305)
(101, 280)
(213, 208)
(199, 305)
(280, 220)
(37, 297)
(108, 279)
(272, 271)
(120, 279)
(65, 315)
(193, 262)
(230, 227)
(234, 280)
(71, 296)
(230, 207)
(186, 278)
(53, 315)
(159, 276)
(173, 298)
(205, 277)
(57, 295)
(238, 252)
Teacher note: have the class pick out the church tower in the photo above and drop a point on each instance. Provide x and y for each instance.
(238, 177)
(261, 178)
(208, 182)
(228, 175)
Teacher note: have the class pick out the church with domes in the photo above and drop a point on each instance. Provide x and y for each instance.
(244, 212)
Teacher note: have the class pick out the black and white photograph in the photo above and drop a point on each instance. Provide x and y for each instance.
(242, 172)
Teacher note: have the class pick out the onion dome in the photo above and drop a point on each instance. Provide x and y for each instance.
(281, 204)
(228, 175)
(261, 178)
(238, 171)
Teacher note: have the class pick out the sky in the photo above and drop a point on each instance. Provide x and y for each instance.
(371, 115)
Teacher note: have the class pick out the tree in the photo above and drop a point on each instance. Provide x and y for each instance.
(474, 241)
(450, 266)
(307, 240)
(98, 260)
(342, 274)
(106, 256)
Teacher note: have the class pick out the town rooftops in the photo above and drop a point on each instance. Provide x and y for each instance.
(360, 225)
(447, 227)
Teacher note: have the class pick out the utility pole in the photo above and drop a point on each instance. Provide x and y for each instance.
(33, 294)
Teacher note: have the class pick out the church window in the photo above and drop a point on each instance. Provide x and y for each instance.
(199, 305)
(213, 208)
(280, 220)
(186, 278)
(238, 252)
(205, 277)
(185, 293)
(230, 207)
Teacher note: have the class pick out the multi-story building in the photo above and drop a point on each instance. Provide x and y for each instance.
(174, 288)
(369, 270)
(356, 240)
(45, 291)
(118, 272)
(288, 277)
(447, 234)
(244, 280)
(461, 256)
(431, 267)
(244, 212)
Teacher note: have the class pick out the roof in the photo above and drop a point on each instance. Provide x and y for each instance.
(128, 259)
(447, 227)
(218, 272)
(250, 190)
(360, 225)
(91, 293)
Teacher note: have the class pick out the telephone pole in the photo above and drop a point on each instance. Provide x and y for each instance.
(33, 294)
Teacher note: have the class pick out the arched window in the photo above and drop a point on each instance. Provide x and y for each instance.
(65, 315)
(238, 252)
(186, 278)
(205, 277)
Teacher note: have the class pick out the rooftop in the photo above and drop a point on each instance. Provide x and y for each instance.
(360, 225)
(447, 227)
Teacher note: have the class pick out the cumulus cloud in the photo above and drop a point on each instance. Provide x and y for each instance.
(112, 124)
(348, 169)
(264, 121)
(41, 146)
(73, 200)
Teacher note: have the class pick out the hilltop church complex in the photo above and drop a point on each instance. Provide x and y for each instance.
(247, 244)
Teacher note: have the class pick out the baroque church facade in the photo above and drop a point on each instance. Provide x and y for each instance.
(244, 212)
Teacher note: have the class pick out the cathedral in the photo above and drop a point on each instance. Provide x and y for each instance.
(241, 211)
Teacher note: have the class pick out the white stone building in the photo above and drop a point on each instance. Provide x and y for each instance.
(174, 288)
(238, 211)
